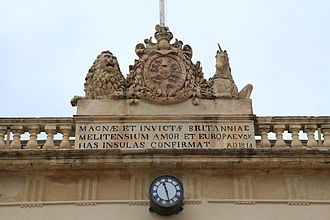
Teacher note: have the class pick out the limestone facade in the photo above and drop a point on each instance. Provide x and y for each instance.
(59, 182)
(281, 177)
(164, 118)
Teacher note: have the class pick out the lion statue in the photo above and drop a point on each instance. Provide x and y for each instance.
(104, 79)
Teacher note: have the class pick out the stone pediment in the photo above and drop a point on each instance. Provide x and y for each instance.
(163, 74)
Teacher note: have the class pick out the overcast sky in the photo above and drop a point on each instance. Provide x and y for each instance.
(281, 47)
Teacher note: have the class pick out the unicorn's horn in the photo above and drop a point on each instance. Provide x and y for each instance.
(219, 47)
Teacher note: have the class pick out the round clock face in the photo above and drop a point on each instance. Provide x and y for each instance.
(166, 191)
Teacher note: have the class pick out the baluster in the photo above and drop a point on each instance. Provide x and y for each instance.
(34, 131)
(310, 129)
(50, 131)
(65, 130)
(278, 129)
(3, 132)
(294, 129)
(264, 142)
(326, 135)
(16, 142)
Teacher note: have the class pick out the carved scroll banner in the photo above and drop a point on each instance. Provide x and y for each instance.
(163, 135)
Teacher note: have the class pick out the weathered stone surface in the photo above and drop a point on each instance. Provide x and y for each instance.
(260, 177)
(222, 83)
(127, 210)
(165, 135)
(115, 124)
(224, 107)
(259, 158)
(163, 74)
(152, 129)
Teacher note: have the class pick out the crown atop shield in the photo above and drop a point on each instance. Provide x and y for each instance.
(163, 32)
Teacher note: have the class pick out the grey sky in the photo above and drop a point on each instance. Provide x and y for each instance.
(280, 46)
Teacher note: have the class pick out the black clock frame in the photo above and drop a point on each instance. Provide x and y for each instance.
(166, 209)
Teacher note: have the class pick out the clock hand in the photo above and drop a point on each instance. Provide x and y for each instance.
(168, 198)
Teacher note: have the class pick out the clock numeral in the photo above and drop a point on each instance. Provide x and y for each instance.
(175, 199)
(178, 193)
(162, 180)
(169, 180)
(155, 194)
(175, 183)
(157, 183)
(155, 188)
(178, 187)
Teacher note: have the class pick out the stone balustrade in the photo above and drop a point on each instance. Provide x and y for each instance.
(12, 129)
(286, 129)
(317, 130)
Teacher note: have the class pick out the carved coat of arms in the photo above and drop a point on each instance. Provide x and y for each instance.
(163, 74)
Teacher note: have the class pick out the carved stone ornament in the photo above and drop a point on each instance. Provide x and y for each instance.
(163, 74)
(223, 85)
(104, 79)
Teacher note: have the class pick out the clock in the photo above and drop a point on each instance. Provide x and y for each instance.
(166, 195)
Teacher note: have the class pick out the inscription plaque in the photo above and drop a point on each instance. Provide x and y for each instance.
(162, 135)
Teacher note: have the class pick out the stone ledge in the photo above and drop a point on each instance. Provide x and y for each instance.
(163, 118)
(41, 204)
(123, 107)
(288, 158)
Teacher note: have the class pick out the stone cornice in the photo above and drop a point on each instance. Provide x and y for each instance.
(187, 202)
(287, 158)
(319, 120)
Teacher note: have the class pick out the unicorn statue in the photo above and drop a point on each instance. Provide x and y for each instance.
(223, 85)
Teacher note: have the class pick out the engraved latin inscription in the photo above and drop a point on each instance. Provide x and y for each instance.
(165, 135)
